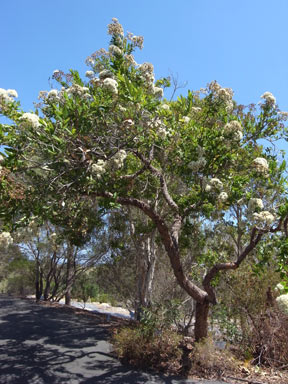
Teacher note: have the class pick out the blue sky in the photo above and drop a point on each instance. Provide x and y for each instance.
(241, 44)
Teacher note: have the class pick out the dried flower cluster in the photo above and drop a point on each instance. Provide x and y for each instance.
(115, 28)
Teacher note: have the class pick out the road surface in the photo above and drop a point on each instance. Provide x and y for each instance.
(42, 345)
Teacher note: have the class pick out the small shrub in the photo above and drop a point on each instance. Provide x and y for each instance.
(206, 355)
(269, 339)
(160, 351)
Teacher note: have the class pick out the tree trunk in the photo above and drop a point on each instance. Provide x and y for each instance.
(47, 289)
(69, 275)
(201, 320)
(146, 261)
(38, 281)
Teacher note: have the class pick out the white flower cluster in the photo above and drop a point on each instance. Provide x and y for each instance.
(255, 204)
(159, 126)
(130, 60)
(1, 159)
(234, 128)
(165, 107)
(114, 50)
(186, 119)
(111, 85)
(128, 123)
(261, 165)
(264, 217)
(89, 74)
(283, 115)
(214, 184)
(78, 90)
(118, 159)
(30, 119)
(7, 95)
(282, 302)
(222, 197)
(224, 94)
(147, 75)
(99, 168)
(195, 109)
(5, 239)
(199, 164)
(137, 41)
(269, 98)
(115, 28)
(279, 288)
(105, 73)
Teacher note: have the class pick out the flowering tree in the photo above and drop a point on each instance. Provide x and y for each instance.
(114, 139)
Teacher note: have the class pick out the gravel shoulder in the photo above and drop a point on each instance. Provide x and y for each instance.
(55, 344)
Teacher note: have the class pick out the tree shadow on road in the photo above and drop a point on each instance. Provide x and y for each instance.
(50, 345)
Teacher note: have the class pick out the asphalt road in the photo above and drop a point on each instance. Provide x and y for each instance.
(49, 345)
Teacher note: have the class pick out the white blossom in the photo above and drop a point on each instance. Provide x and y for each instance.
(222, 196)
(5, 239)
(95, 81)
(128, 123)
(111, 85)
(158, 92)
(216, 183)
(115, 28)
(106, 73)
(78, 90)
(282, 302)
(136, 40)
(1, 159)
(118, 158)
(208, 188)
(264, 217)
(130, 60)
(162, 132)
(99, 168)
(31, 119)
(12, 92)
(165, 107)
(89, 74)
(195, 109)
(279, 287)
(114, 50)
(234, 128)
(255, 204)
(224, 94)
(269, 98)
(261, 165)
(186, 119)
(7, 95)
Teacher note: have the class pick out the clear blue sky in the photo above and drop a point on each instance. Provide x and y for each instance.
(243, 44)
